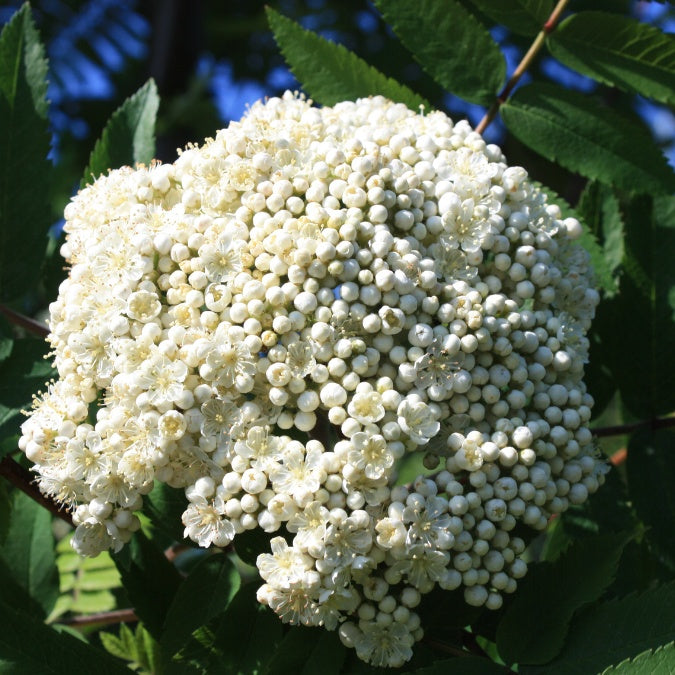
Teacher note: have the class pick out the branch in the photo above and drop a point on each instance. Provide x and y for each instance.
(621, 429)
(31, 325)
(24, 481)
(525, 63)
(102, 618)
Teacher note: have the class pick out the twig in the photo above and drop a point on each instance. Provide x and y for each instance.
(24, 481)
(102, 618)
(621, 429)
(26, 322)
(525, 63)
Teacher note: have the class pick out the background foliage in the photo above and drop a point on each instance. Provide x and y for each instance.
(600, 593)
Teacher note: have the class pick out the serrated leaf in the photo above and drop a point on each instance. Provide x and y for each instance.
(28, 551)
(205, 593)
(113, 645)
(588, 138)
(129, 136)
(534, 626)
(21, 375)
(466, 665)
(658, 662)
(646, 298)
(651, 472)
(25, 172)
(329, 72)
(92, 602)
(149, 579)
(618, 51)
(28, 646)
(164, 506)
(612, 631)
(305, 651)
(450, 44)
(523, 17)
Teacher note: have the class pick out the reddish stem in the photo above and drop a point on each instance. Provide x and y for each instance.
(31, 325)
(102, 618)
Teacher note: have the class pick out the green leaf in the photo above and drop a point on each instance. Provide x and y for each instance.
(305, 651)
(21, 375)
(659, 662)
(534, 626)
(5, 511)
(113, 645)
(129, 136)
(600, 209)
(523, 17)
(450, 44)
(613, 631)
(249, 544)
(643, 313)
(165, 506)
(205, 593)
(618, 51)
(329, 72)
(466, 665)
(28, 551)
(27, 647)
(149, 579)
(25, 171)
(585, 137)
(651, 472)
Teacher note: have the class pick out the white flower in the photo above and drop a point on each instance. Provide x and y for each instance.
(285, 567)
(417, 420)
(366, 407)
(370, 454)
(205, 525)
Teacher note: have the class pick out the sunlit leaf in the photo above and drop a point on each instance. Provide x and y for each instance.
(329, 72)
(450, 44)
(618, 51)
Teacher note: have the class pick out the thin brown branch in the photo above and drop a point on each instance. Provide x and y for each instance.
(31, 325)
(23, 480)
(524, 64)
(102, 618)
(621, 429)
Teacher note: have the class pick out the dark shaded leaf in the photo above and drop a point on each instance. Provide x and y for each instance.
(613, 631)
(5, 511)
(205, 593)
(534, 626)
(618, 51)
(24, 145)
(651, 472)
(524, 17)
(450, 44)
(585, 137)
(129, 135)
(658, 662)
(251, 543)
(28, 647)
(305, 651)
(466, 665)
(149, 579)
(164, 506)
(329, 72)
(28, 551)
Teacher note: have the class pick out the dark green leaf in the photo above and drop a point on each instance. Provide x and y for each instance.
(29, 647)
(659, 662)
(329, 72)
(251, 543)
(643, 361)
(600, 210)
(613, 631)
(305, 651)
(524, 17)
(450, 44)
(28, 551)
(149, 579)
(585, 137)
(24, 145)
(466, 665)
(618, 51)
(129, 135)
(21, 375)
(5, 511)
(164, 506)
(205, 593)
(651, 472)
(534, 626)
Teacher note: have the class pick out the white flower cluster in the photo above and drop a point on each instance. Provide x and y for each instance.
(276, 319)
